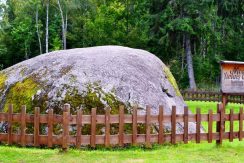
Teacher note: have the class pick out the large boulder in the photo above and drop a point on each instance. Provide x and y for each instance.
(91, 77)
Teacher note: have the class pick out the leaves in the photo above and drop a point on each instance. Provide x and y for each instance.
(216, 30)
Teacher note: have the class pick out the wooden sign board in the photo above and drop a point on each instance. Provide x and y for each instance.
(232, 77)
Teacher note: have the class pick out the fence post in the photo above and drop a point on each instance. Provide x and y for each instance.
(107, 127)
(185, 125)
(161, 125)
(173, 125)
(93, 127)
(148, 127)
(210, 126)
(79, 128)
(134, 126)
(50, 128)
(10, 119)
(66, 116)
(36, 126)
(221, 124)
(23, 125)
(231, 125)
(198, 126)
(121, 126)
(241, 124)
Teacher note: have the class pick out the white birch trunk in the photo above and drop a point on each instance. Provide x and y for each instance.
(37, 31)
(47, 17)
(63, 26)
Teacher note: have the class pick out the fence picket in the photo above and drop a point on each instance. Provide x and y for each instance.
(36, 126)
(231, 125)
(221, 124)
(121, 126)
(134, 126)
(173, 125)
(23, 125)
(210, 126)
(198, 126)
(161, 125)
(107, 127)
(79, 128)
(50, 128)
(93, 127)
(66, 114)
(148, 127)
(10, 119)
(241, 124)
(185, 125)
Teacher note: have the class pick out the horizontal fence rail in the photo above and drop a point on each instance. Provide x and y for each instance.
(210, 96)
(65, 139)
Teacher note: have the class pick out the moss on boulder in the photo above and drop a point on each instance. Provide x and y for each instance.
(3, 78)
(171, 79)
(22, 94)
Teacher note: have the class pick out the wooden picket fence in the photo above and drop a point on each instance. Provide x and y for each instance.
(210, 96)
(121, 138)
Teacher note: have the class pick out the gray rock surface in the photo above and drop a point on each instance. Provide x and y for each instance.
(126, 75)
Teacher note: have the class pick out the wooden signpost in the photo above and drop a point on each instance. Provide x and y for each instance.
(232, 79)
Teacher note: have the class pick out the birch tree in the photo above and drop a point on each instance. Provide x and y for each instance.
(64, 21)
(47, 24)
(37, 29)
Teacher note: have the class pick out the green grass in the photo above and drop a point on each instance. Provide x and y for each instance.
(205, 106)
(204, 152)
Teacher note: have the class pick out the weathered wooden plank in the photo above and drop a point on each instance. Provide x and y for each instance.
(241, 124)
(79, 128)
(93, 128)
(161, 125)
(10, 112)
(114, 139)
(50, 128)
(198, 126)
(148, 127)
(36, 126)
(134, 126)
(23, 126)
(173, 125)
(121, 126)
(107, 127)
(114, 119)
(3, 117)
(220, 124)
(231, 125)
(66, 115)
(210, 126)
(185, 124)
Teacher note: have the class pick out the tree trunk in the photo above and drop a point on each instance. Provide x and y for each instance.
(63, 26)
(65, 30)
(189, 62)
(47, 34)
(37, 31)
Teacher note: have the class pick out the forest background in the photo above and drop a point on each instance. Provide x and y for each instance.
(189, 36)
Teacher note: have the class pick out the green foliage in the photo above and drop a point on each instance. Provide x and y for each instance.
(159, 26)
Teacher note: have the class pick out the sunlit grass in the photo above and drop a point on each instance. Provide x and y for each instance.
(205, 106)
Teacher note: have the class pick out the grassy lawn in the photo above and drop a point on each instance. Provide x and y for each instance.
(204, 152)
